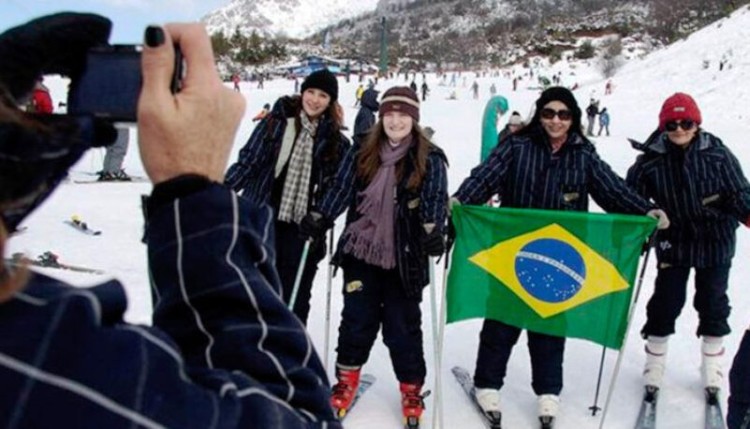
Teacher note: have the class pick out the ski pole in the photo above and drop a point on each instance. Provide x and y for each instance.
(437, 414)
(329, 283)
(436, 418)
(595, 408)
(300, 270)
(620, 354)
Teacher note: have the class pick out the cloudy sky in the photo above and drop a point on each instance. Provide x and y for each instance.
(130, 17)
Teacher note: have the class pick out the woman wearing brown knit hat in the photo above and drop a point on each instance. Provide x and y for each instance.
(699, 183)
(289, 161)
(385, 245)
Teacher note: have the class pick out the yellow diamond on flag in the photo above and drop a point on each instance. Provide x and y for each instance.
(551, 270)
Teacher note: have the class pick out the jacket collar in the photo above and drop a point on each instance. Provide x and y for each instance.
(657, 142)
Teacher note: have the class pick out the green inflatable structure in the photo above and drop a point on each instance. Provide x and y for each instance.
(497, 105)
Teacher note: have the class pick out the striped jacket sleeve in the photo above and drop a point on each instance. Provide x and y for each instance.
(258, 150)
(213, 265)
(338, 197)
(435, 192)
(739, 189)
(487, 178)
(611, 192)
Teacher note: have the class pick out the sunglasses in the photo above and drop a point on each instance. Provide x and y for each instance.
(564, 115)
(685, 125)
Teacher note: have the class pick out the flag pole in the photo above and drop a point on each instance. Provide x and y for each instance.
(621, 353)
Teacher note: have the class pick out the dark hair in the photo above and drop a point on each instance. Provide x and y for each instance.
(554, 93)
(336, 122)
(368, 161)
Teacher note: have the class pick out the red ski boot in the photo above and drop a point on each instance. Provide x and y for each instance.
(412, 404)
(345, 390)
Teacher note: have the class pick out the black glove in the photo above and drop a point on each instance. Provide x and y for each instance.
(451, 235)
(37, 150)
(314, 226)
(433, 243)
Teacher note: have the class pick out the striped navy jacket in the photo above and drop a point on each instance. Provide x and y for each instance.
(224, 352)
(704, 193)
(253, 173)
(413, 209)
(525, 173)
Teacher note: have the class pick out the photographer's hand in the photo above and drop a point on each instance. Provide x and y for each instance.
(192, 131)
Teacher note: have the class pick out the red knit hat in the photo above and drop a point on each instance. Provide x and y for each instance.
(678, 107)
(400, 99)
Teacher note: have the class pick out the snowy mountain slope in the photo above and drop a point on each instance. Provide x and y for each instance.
(640, 88)
(294, 18)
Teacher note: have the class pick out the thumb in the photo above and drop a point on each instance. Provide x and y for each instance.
(157, 63)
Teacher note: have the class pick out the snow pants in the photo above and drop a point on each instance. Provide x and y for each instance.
(115, 153)
(670, 291)
(374, 296)
(738, 415)
(496, 342)
(289, 246)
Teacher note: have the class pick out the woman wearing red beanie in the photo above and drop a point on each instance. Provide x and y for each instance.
(699, 183)
(385, 245)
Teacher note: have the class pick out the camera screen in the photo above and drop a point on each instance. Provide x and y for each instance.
(110, 85)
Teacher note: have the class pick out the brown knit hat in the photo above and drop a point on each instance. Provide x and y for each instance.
(400, 99)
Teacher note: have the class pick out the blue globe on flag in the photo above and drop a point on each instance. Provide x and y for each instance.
(550, 270)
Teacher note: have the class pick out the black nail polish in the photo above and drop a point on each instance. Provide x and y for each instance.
(154, 36)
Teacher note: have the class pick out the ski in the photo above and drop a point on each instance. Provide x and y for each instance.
(102, 182)
(49, 260)
(491, 420)
(81, 226)
(647, 413)
(714, 416)
(365, 382)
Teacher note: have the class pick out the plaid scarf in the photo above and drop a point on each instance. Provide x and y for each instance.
(295, 196)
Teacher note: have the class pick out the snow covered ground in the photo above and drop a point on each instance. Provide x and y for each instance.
(640, 88)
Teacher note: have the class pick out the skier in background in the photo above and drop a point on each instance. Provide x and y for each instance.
(591, 111)
(425, 90)
(288, 162)
(358, 94)
(603, 121)
(114, 157)
(365, 118)
(475, 90)
(385, 246)
(706, 207)
(41, 101)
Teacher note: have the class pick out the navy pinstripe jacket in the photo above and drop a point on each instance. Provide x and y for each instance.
(525, 173)
(253, 173)
(225, 351)
(413, 210)
(702, 190)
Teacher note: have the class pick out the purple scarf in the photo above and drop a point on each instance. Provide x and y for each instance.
(371, 238)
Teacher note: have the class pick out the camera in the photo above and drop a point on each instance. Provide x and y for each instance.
(111, 83)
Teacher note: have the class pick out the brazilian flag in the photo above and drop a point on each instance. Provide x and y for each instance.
(568, 274)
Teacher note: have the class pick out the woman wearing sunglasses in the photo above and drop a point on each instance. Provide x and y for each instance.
(548, 164)
(696, 179)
